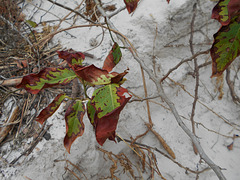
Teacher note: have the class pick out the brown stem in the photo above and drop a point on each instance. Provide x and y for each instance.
(230, 83)
(196, 71)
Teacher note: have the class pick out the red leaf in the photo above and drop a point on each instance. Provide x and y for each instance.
(97, 76)
(50, 109)
(106, 126)
(104, 109)
(93, 74)
(131, 5)
(73, 58)
(113, 58)
(168, 1)
(119, 77)
(74, 123)
(225, 10)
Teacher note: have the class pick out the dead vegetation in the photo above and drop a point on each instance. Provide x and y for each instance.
(19, 57)
(24, 50)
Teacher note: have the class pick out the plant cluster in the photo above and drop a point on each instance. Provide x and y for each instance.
(109, 98)
(103, 107)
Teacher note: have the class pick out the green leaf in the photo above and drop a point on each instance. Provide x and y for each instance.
(48, 77)
(226, 46)
(113, 58)
(104, 108)
(50, 109)
(74, 123)
(91, 113)
(32, 23)
(225, 10)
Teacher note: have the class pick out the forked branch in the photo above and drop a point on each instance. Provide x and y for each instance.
(162, 94)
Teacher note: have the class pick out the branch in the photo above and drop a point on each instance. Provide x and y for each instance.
(76, 12)
(183, 61)
(164, 154)
(161, 92)
(230, 83)
(10, 82)
(196, 72)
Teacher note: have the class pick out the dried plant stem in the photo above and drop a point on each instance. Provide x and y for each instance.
(163, 142)
(15, 29)
(184, 61)
(6, 129)
(72, 10)
(10, 82)
(161, 92)
(146, 95)
(21, 34)
(165, 155)
(33, 144)
(120, 138)
(73, 173)
(230, 83)
(200, 102)
(197, 123)
(196, 72)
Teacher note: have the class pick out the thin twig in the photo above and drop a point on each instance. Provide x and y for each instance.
(230, 83)
(196, 72)
(136, 152)
(33, 144)
(162, 141)
(72, 10)
(184, 61)
(200, 102)
(73, 173)
(164, 154)
(10, 82)
(116, 12)
(146, 95)
(143, 99)
(21, 34)
(161, 92)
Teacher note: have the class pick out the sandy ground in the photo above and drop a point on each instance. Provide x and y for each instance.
(164, 28)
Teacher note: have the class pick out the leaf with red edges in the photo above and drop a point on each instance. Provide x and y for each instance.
(118, 78)
(226, 46)
(225, 10)
(73, 58)
(131, 5)
(113, 58)
(104, 108)
(50, 109)
(47, 77)
(94, 75)
(74, 123)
